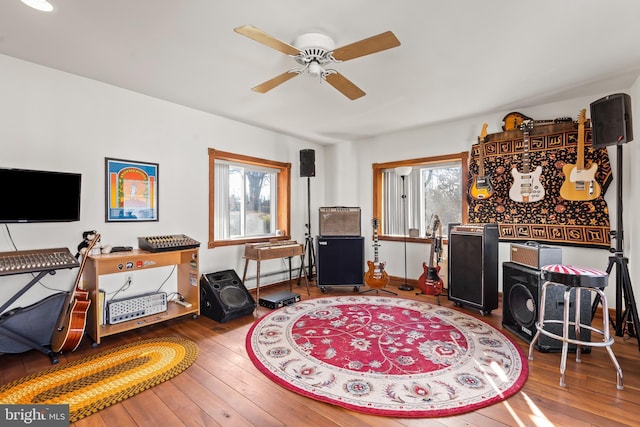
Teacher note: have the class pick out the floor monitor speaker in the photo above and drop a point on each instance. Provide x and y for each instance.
(611, 120)
(223, 297)
(307, 163)
(521, 301)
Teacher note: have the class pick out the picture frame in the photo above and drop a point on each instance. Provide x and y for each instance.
(131, 190)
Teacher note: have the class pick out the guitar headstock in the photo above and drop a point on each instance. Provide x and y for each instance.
(526, 125)
(483, 133)
(582, 117)
(375, 223)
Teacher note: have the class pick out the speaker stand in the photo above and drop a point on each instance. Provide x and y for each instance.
(627, 319)
(308, 239)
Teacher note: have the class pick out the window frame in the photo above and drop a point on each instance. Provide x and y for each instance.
(283, 202)
(377, 168)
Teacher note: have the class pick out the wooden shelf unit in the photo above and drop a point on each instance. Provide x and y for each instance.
(136, 260)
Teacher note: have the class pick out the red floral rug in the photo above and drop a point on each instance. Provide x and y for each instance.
(387, 356)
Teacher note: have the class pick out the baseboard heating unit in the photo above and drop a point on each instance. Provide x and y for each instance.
(124, 309)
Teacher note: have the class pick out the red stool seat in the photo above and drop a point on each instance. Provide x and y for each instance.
(570, 275)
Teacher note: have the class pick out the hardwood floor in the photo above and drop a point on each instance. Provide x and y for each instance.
(224, 388)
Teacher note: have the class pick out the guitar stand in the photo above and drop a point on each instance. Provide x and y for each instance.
(377, 291)
(437, 296)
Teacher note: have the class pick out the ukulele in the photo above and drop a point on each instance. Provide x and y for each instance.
(580, 183)
(481, 187)
(73, 318)
(526, 185)
(429, 282)
(376, 277)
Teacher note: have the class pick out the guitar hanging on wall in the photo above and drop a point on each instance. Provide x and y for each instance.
(526, 185)
(375, 277)
(73, 318)
(430, 282)
(481, 187)
(514, 120)
(580, 183)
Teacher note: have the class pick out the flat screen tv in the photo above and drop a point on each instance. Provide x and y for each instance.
(39, 196)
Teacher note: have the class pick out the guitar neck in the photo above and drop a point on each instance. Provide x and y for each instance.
(526, 165)
(580, 159)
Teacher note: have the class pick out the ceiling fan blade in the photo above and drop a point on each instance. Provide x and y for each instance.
(366, 46)
(276, 81)
(344, 85)
(264, 38)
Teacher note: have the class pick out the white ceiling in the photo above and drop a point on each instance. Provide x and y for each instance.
(457, 58)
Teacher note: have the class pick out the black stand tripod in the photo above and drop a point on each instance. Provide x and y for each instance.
(627, 319)
(308, 238)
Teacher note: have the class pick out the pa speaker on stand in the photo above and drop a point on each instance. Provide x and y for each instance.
(223, 297)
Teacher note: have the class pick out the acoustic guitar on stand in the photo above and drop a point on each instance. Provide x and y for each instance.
(526, 185)
(430, 282)
(73, 318)
(481, 187)
(580, 183)
(376, 277)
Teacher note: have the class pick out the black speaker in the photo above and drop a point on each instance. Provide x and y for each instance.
(521, 289)
(473, 266)
(611, 120)
(307, 163)
(340, 261)
(223, 297)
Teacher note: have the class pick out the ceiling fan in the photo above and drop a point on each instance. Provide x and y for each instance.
(313, 51)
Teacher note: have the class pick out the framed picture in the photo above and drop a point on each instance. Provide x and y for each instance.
(131, 190)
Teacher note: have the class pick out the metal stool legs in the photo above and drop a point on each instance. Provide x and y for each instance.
(607, 340)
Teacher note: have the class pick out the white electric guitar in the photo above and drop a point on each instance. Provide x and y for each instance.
(526, 184)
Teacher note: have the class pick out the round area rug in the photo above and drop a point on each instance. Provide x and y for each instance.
(387, 356)
(95, 382)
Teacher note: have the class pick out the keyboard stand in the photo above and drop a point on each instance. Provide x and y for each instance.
(15, 336)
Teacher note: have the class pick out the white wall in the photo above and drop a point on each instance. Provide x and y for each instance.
(458, 136)
(56, 121)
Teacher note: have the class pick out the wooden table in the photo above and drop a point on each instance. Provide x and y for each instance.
(265, 251)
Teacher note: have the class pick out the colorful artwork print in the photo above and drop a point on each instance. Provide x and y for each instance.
(132, 190)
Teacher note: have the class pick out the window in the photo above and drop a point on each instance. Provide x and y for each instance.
(435, 186)
(248, 199)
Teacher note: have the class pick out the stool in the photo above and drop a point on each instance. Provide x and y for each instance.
(575, 279)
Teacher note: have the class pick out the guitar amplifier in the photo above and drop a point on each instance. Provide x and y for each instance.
(339, 221)
(534, 255)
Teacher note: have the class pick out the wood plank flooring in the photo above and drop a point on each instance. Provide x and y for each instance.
(223, 388)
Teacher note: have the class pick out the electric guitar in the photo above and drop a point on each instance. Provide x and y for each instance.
(73, 318)
(514, 120)
(526, 185)
(580, 183)
(429, 282)
(481, 187)
(376, 277)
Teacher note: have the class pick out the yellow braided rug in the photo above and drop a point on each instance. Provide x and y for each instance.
(96, 382)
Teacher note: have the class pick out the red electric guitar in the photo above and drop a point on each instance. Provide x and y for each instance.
(429, 282)
(73, 318)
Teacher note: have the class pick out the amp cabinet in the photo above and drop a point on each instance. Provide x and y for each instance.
(340, 262)
(473, 266)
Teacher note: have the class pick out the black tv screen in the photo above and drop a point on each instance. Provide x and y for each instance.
(39, 196)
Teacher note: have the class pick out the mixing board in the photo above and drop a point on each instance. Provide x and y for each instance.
(31, 261)
(174, 242)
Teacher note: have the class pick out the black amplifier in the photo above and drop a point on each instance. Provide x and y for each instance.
(279, 299)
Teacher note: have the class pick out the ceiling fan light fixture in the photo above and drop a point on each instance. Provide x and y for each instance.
(315, 69)
(41, 5)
